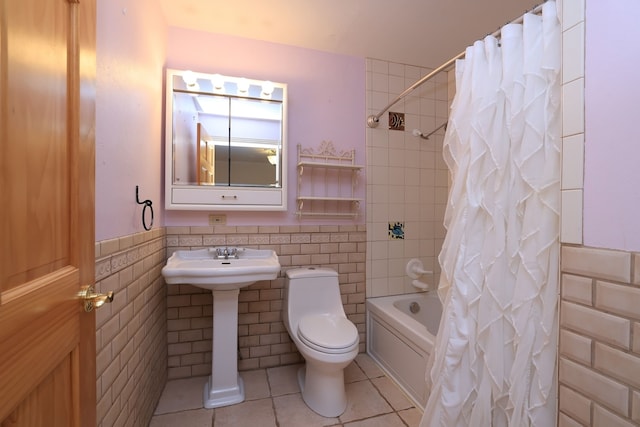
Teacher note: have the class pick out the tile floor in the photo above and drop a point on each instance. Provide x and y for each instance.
(272, 398)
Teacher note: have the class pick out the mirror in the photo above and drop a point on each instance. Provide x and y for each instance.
(225, 142)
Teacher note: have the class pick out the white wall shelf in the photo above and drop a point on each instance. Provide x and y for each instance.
(327, 182)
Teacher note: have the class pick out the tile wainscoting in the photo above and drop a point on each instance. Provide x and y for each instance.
(131, 337)
(599, 354)
(262, 337)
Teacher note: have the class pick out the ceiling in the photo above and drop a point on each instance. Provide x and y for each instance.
(416, 32)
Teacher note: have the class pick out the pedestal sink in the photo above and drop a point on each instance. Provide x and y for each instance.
(223, 271)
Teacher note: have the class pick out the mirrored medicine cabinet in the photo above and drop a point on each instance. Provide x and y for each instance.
(225, 143)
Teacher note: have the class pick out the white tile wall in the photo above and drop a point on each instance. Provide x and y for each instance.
(573, 57)
(572, 13)
(571, 217)
(573, 60)
(573, 107)
(407, 180)
(573, 162)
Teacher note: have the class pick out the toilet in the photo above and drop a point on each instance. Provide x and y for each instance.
(328, 341)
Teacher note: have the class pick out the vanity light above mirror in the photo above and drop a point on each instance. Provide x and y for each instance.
(225, 142)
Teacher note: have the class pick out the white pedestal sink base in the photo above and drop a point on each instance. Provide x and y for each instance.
(224, 387)
(207, 269)
(217, 397)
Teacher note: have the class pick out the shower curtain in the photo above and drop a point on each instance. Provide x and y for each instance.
(494, 362)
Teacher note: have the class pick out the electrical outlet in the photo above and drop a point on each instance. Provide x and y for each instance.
(217, 219)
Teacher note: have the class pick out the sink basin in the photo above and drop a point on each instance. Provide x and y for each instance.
(223, 271)
(210, 269)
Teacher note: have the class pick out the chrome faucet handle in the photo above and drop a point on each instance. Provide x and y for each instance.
(226, 252)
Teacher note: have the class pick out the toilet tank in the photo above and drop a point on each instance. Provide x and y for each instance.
(312, 290)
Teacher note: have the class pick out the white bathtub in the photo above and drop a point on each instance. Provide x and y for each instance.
(401, 341)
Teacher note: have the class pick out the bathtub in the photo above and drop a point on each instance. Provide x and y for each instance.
(400, 341)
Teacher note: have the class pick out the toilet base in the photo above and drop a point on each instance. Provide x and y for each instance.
(323, 390)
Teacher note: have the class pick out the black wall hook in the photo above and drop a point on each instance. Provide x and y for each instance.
(147, 204)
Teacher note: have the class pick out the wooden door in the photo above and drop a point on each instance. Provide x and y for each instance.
(206, 155)
(47, 117)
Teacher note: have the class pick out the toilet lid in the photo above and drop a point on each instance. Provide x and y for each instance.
(327, 333)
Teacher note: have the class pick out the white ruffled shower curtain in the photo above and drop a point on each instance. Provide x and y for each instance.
(494, 362)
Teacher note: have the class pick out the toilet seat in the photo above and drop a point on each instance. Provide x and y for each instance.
(327, 333)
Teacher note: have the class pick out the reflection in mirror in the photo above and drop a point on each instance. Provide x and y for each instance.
(237, 129)
(223, 132)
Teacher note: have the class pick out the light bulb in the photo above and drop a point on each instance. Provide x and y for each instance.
(267, 88)
(217, 81)
(189, 78)
(243, 85)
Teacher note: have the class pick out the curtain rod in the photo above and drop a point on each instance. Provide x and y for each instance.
(374, 119)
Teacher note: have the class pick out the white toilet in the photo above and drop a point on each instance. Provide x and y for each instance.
(328, 341)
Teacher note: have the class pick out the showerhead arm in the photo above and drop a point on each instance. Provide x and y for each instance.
(417, 132)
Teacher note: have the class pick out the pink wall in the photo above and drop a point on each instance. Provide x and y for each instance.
(131, 45)
(612, 134)
(326, 102)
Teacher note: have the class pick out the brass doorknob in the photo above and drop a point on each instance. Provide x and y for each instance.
(93, 300)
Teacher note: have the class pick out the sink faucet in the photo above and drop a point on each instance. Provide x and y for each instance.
(226, 252)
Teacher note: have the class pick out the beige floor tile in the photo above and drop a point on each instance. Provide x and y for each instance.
(284, 379)
(353, 373)
(363, 401)
(411, 417)
(194, 418)
(291, 411)
(252, 413)
(388, 420)
(181, 395)
(273, 398)
(392, 393)
(256, 385)
(368, 366)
